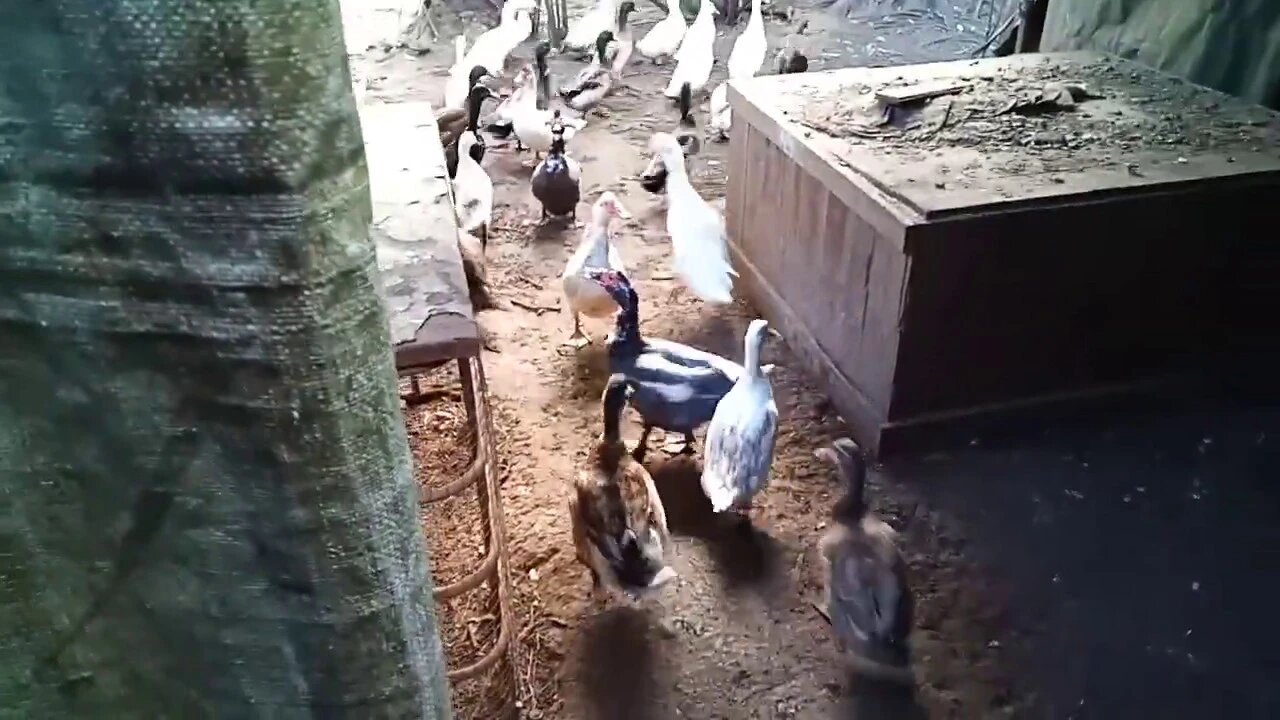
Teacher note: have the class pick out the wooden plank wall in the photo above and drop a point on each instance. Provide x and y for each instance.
(1064, 299)
(830, 283)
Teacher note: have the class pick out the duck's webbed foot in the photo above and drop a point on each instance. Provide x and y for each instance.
(578, 339)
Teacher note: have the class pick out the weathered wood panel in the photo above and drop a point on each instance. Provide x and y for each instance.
(844, 279)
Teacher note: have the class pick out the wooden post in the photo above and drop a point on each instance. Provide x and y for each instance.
(1032, 27)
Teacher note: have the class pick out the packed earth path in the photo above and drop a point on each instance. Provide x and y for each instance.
(738, 634)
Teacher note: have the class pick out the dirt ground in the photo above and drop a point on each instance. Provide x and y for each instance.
(737, 636)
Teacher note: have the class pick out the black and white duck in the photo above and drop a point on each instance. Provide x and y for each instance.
(472, 192)
(556, 180)
(469, 125)
(675, 387)
(868, 600)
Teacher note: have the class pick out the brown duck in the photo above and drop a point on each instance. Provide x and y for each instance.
(619, 524)
(867, 598)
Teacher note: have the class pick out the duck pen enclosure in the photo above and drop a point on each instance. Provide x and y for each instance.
(952, 239)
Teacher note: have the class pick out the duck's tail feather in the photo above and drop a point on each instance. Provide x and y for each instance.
(717, 490)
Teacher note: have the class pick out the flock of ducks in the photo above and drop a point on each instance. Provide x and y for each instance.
(619, 525)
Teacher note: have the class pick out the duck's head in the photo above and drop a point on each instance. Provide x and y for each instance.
(758, 330)
(466, 141)
(541, 52)
(666, 146)
(479, 93)
(848, 460)
(602, 44)
(616, 393)
(624, 11)
(616, 284)
(478, 75)
(841, 452)
(608, 206)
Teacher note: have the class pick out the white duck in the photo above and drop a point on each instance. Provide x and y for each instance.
(584, 31)
(749, 50)
(492, 48)
(740, 437)
(531, 123)
(457, 86)
(595, 81)
(697, 231)
(721, 115)
(472, 191)
(663, 40)
(788, 60)
(696, 55)
(499, 122)
(585, 296)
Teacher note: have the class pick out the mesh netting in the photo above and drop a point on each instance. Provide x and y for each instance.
(207, 496)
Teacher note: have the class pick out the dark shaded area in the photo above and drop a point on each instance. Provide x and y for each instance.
(618, 666)
(1141, 552)
(745, 556)
(866, 699)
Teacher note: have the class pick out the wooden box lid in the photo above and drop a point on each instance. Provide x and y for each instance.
(988, 134)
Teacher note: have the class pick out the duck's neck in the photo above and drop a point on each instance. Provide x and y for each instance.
(850, 508)
(679, 189)
(542, 88)
(704, 11)
(614, 398)
(756, 17)
(626, 328)
(597, 240)
(473, 113)
(751, 355)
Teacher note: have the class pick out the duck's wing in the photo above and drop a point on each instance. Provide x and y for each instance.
(634, 485)
(600, 515)
(690, 356)
(739, 449)
(866, 592)
(450, 122)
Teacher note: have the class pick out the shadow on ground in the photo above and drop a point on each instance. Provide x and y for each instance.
(619, 667)
(744, 556)
(864, 699)
(1138, 551)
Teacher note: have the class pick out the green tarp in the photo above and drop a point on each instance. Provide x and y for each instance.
(1230, 46)
(206, 504)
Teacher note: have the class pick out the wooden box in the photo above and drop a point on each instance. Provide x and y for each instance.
(1038, 228)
